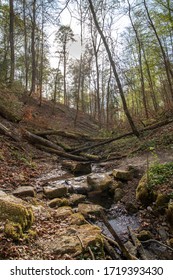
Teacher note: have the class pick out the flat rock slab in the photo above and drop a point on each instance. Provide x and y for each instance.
(99, 182)
(75, 240)
(25, 191)
(122, 175)
(54, 192)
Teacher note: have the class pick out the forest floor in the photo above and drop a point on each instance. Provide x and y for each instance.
(22, 164)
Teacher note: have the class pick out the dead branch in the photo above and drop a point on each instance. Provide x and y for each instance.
(111, 250)
(60, 153)
(137, 244)
(117, 239)
(4, 130)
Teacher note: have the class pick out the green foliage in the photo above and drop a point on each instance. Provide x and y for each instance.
(160, 174)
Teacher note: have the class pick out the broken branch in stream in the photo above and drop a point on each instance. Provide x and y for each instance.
(117, 239)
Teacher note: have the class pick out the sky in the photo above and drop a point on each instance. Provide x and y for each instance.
(75, 47)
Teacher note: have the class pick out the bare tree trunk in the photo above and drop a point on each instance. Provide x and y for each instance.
(126, 111)
(165, 58)
(140, 62)
(11, 29)
(25, 46)
(33, 81)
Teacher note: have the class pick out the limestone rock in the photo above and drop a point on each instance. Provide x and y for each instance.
(118, 194)
(24, 191)
(99, 182)
(58, 202)
(63, 212)
(122, 175)
(54, 192)
(75, 199)
(70, 243)
(77, 219)
(77, 168)
(89, 209)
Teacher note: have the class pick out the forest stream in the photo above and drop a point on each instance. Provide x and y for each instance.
(121, 214)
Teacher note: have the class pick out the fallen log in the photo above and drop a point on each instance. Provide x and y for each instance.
(72, 135)
(34, 139)
(7, 132)
(110, 140)
(60, 153)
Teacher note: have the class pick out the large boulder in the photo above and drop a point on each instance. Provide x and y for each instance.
(99, 182)
(16, 215)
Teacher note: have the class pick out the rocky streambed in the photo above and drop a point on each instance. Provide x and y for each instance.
(60, 216)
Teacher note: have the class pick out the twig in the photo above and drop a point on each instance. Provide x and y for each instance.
(91, 253)
(158, 242)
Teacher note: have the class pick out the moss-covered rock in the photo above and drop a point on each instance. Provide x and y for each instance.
(170, 212)
(77, 219)
(144, 235)
(58, 202)
(63, 212)
(143, 193)
(162, 201)
(17, 217)
(118, 194)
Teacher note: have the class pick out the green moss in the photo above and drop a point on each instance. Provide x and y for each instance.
(13, 230)
(143, 193)
(159, 174)
(16, 213)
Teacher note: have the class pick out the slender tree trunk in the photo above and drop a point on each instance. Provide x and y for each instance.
(140, 62)
(126, 111)
(25, 45)
(33, 81)
(42, 55)
(165, 58)
(153, 96)
(11, 29)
